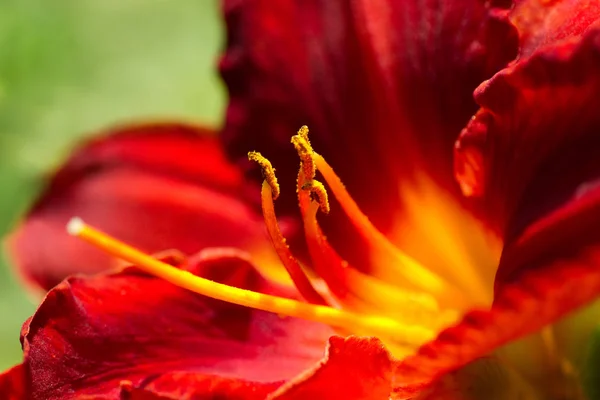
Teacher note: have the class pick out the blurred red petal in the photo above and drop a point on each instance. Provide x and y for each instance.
(182, 151)
(354, 368)
(155, 186)
(91, 334)
(12, 384)
(384, 86)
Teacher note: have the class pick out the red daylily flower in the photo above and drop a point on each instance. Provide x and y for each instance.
(394, 80)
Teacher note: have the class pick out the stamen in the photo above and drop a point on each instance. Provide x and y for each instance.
(309, 169)
(267, 170)
(399, 334)
(305, 152)
(324, 260)
(292, 266)
(330, 268)
(290, 263)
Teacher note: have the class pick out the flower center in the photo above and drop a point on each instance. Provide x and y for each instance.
(406, 308)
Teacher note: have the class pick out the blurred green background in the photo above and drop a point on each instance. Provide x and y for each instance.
(69, 68)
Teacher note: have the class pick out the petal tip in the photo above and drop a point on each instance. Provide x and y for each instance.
(75, 226)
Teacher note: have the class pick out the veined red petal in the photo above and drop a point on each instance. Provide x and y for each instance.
(534, 142)
(385, 86)
(12, 384)
(157, 186)
(90, 334)
(353, 368)
(531, 154)
(520, 308)
(193, 386)
(543, 23)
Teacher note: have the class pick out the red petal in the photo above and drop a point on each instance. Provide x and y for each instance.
(543, 23)
(12, 384)
(192, 386)
(533, 147)
(353, 368)
(514, 131)
(90, 334)
(169, 148)
(534, 141)
(157, 187)
(519, 309)
(371, 78)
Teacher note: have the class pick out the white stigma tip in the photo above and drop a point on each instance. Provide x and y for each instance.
(75, 226)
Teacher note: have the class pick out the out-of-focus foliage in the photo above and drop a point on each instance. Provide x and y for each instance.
(592, 367)
(69, 68)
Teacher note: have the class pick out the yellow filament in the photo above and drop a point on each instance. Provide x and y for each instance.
(399, 334)
(267, 170)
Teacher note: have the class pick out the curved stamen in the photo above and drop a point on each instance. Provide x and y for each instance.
(291, 264)
(324, 260)
(400, 335)
(270, 191)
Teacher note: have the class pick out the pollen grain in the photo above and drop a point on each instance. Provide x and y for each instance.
(267, 170)
(319, 193)
(308, 169)
(305, 152)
